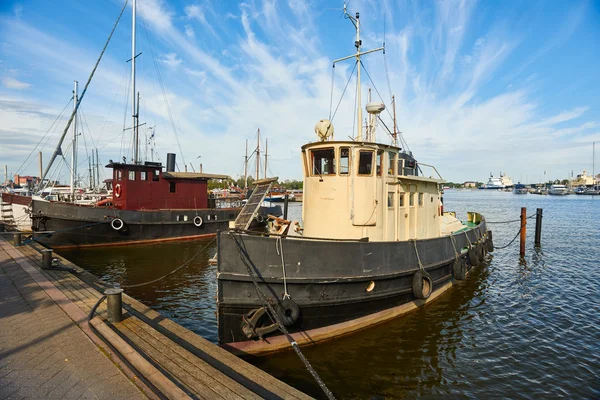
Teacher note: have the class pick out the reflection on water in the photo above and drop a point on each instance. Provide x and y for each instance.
(515, 328)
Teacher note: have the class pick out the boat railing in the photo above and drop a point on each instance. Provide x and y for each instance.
(431, 169)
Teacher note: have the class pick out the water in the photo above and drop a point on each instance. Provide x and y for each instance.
(516, 328)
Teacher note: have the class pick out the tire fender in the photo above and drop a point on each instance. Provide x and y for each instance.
(473, 256)
(459, 269)
(288, 312)
(422, 285)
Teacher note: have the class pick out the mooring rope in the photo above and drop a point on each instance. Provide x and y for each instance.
(511, 242)
(453, 240)
(274, 316)
(418, 258)
(509, 222)
(35, 239)
(279, 246)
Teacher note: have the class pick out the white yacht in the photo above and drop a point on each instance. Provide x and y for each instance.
(502, 182)
(558, 190)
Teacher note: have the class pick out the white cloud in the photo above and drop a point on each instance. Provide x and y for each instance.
(12, 83)
(171, 60)
(189, 32)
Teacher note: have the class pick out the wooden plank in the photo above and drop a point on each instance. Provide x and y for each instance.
(183, 357)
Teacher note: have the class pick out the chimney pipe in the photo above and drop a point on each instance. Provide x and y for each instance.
(170, 162)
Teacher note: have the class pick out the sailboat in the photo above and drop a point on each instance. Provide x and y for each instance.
(147, 203)
(375, 244)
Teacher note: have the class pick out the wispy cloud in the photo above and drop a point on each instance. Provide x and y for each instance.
(12, 83)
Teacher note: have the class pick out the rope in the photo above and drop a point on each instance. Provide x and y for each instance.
(508, 222)
(279, 245)
(342, 96)
(453, 240)
(468, 240)
(418, 258)
(256, 233)
(185, 264)
(331, 95)
(511, 242)
(273, 315)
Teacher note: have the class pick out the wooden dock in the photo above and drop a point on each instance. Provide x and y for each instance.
(175, 362)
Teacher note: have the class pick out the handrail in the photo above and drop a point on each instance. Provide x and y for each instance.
(431, 166)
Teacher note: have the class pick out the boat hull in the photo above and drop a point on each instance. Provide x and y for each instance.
(339, 286)
(83, 226)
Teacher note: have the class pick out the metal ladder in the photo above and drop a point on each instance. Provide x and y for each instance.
(252, 207)
(6, 215)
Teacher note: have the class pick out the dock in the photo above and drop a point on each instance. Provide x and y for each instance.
(49, 349)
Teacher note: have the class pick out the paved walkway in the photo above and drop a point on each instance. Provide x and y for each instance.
(43, 353)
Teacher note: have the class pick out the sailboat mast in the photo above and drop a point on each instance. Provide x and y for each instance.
(258, 155)
(358, 43)
(395, 135)
(133, 98)
(97, 169)
(246, 167)
(74, 149)
(266, 152)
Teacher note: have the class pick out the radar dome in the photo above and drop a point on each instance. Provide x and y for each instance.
(375, 107)
(324, 129)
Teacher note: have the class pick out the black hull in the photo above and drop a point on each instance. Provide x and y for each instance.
(328, 280)
(78, 226)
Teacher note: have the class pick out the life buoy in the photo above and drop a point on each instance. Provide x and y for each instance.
(473, 256)
(422, 285)
(118, 190)
(459, 269)
(117, 224)
(288, 312)
(198, 221)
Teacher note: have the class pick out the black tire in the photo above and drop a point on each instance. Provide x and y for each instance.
(259, 218)
(422, 285)
(459, 269)
(288, 312)
(473, 256)
(480, 252)
(490, 245)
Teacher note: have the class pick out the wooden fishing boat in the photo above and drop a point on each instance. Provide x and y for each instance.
(375, 243)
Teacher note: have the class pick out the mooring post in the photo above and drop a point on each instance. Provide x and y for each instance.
(46, 258)
(17, 238)
(113, 298)
(285, 205)
(538, 228)
(523, 230)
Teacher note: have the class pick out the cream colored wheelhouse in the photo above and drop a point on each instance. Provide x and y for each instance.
(355, 190)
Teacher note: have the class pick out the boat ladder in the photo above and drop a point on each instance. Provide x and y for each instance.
(252, 207)
(6, 215)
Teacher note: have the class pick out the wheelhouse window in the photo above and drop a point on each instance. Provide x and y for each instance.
(411, 199)
(143, 175)
(390, 200)
(344, 161)
(155, 175)
(132, 175)
(323, 162)
(119, 175)
(391, 163)
(172, 187)
(421, 196)
(400, 166)
(401, 199)
(365, 163)
(379, 162)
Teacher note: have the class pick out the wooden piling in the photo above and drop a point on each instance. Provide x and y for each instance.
(523, 230)
(538, 228)
(285, 206)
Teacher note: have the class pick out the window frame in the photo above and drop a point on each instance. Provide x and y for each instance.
(312, 162)
(365, 151)
(172, 187)
(131, 173)
(392, 164)
(390, 201)
(349, 166)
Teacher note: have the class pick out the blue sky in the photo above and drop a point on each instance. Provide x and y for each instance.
(481, 87)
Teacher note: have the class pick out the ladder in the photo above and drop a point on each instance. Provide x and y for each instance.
(252, 207)
(6, 215)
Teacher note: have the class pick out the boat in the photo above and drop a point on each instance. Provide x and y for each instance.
(375, 243)
(558, 190)
(146, 204)
(495, 183)
(520, 189)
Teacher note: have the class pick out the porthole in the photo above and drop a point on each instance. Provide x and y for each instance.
(371, 286)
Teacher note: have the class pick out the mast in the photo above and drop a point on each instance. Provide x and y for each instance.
(246, 167)
(74, 145)
(357, 44)
(594, 164)
(258, 156)
(97, 169)
(266, 151)
(133, 99)
(395, 135)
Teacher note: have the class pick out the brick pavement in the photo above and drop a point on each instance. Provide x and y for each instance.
(43, 353)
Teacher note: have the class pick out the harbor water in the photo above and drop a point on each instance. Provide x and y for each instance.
(516, 328)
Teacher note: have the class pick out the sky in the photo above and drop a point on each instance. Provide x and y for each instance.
(481, 86)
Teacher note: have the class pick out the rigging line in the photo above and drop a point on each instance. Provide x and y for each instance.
(375, 87)
(125, 116)
(354, 114)
(342, 96)
(331, 96)
(162, 86)
(42, 138)
(55, 154)
(113, 102)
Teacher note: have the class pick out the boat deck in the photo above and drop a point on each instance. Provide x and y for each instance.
(176, 361)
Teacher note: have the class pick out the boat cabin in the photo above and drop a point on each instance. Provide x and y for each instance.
(146, 187)
(354, 190)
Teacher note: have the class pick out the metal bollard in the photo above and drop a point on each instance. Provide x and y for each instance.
(17, 238)
(285, 205)
(46, 258)
(114, 304)
(523, 231)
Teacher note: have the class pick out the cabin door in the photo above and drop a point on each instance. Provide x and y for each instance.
(364, 199)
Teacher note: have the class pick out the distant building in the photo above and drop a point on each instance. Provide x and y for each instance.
(26, 181)
(584, 180)
(470, 184)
